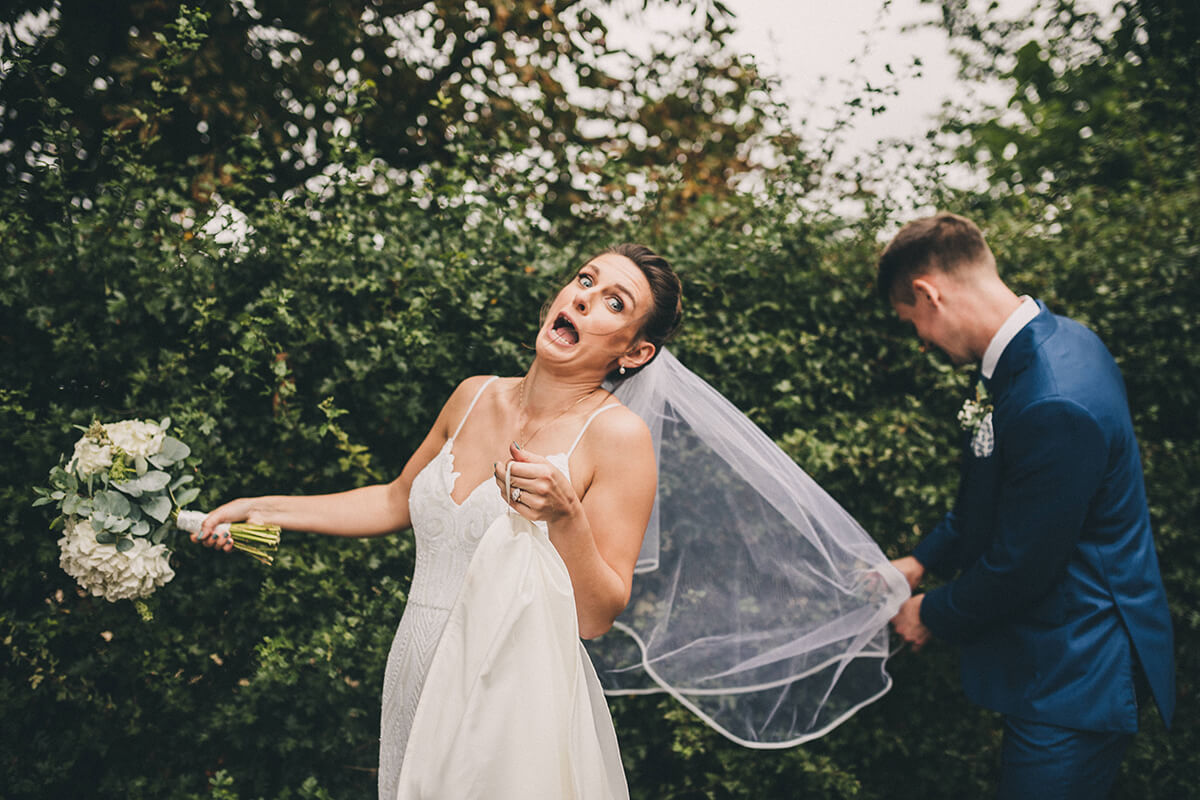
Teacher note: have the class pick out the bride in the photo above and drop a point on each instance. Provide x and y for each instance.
(590, 499)
(759, 603)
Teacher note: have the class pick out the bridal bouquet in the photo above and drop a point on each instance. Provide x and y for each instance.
(119, 497)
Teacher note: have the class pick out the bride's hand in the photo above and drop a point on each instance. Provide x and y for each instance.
(542, 492)
(239, 510)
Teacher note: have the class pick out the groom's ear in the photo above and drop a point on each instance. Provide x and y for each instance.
(926, 290)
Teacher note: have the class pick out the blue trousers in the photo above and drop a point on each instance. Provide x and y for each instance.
(1046, 762)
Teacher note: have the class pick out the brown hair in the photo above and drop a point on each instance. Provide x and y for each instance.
(663, 319)
(943, 242)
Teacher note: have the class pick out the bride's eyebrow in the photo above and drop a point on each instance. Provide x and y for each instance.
(620, 287)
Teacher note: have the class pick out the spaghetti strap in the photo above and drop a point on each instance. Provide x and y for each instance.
(471, 407)
(583, 430)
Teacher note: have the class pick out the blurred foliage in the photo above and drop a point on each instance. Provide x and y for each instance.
(306, 341)
(411, 78)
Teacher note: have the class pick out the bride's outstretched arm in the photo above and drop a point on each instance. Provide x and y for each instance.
(367, 511)
(599, 536)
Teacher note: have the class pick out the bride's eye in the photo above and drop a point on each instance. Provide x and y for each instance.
(616, 304)
(585, 280)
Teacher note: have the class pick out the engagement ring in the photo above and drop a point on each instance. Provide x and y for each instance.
(515, 494)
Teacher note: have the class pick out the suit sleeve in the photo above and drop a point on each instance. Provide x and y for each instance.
(1054, 462)
(937, 551)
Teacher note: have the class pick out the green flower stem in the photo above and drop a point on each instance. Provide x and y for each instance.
(254, 552)
(246, 536)
(261, 534)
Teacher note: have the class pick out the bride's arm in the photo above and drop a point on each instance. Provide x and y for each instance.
(367, 511)
(599, 536)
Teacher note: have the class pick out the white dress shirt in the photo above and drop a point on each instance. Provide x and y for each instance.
(1017, 320)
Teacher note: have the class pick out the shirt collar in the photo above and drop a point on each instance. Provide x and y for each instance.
(1017, 320)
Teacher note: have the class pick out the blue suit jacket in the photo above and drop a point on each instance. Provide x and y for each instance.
(1059, 588)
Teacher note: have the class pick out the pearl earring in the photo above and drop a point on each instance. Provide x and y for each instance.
(622, 369)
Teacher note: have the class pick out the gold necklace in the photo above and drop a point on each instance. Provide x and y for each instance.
(521, 405)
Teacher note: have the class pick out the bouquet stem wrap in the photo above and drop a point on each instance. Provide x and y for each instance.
(258, 541)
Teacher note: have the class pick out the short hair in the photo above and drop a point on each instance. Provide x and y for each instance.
(945, 242)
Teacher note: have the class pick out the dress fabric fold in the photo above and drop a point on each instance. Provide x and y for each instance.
(511, 707)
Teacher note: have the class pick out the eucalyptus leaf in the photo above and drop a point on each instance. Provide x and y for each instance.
(187, 496)
(104, 537)
(139, 465)
(124, 544)
(174, 449)
(181, 480)
(140, 528)
(158, 507)
(161, 533)
(154, 481)
(117, 503)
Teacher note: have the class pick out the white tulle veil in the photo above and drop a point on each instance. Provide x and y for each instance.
(758, 602)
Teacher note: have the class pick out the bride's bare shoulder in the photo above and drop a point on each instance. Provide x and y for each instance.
(619, 427)
(463, 396)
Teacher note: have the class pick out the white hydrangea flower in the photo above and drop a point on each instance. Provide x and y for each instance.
(135, 437)
(90, 457)
(105, 571)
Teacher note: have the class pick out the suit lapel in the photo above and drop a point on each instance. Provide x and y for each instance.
(1020, 352)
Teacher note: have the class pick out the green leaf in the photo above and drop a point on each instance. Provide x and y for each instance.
(124, 544)
(161, 533)
(115, 503)
(157, 507)
(181, 480)
(174, 449)
(154, 481)
(187, 496)
(105, 537)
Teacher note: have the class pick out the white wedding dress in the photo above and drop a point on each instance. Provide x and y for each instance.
(488, 691)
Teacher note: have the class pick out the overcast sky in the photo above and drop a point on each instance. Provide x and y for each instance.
(823, 51)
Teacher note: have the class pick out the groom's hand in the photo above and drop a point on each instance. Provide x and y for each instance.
(908, 623)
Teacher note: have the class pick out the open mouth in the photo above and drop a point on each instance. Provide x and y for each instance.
(564, 331)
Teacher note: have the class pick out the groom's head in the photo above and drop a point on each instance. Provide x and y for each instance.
(933, 273)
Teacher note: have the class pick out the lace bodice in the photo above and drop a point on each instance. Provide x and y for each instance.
(447, 533)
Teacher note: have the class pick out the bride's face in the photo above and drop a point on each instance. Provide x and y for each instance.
(595, 319)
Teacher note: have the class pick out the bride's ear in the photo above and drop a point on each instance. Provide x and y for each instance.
(637, 355)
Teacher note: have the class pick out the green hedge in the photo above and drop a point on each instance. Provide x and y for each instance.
(313, 355)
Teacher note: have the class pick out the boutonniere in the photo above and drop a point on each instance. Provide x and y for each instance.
(976, 416)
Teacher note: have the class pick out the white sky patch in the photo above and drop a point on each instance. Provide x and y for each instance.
(825, 54)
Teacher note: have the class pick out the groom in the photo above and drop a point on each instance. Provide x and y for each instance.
(1056, 600)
